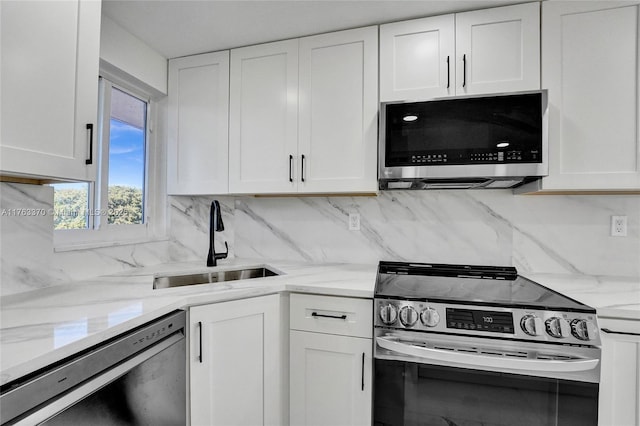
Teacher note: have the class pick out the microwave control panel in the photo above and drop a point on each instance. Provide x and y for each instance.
(475, 157)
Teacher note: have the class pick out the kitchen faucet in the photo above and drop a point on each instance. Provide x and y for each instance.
(215, 224)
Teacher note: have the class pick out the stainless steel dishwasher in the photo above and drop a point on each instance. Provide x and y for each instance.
(137, 378)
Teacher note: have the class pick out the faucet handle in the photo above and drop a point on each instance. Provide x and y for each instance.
(223, 255)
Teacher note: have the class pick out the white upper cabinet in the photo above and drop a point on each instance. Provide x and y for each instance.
(590, 67)
(337, 146)
(49, 86)
(417, 59)
(498, 50)
(263, 124)
(490, 51)
(198, 128)
(303, 115)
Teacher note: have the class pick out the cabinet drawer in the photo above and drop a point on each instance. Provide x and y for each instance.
(333, 315)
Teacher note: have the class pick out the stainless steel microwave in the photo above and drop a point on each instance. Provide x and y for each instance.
(496, 141)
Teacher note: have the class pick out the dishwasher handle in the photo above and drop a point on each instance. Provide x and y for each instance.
(474, 359)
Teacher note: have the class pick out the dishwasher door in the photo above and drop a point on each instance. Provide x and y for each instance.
(147, 387)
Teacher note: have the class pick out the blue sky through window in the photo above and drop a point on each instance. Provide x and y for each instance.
(126, 155)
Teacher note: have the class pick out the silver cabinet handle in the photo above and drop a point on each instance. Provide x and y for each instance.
(302, 169)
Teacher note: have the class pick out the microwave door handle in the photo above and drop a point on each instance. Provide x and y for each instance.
(527, 364)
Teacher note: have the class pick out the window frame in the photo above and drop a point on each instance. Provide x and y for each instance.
(99, 233)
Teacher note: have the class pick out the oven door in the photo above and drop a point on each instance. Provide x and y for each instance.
(415, 383)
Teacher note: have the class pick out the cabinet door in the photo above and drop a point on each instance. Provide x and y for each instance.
(417, 59)
(330, 379)
(263, 121)
(620, 374)
(198, 142)
(590, 67)
(49, 86)
(234, 358)
(498, 50)
(338, 111)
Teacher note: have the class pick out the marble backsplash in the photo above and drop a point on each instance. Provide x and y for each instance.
(542, 234)
(26, 239)
(189, 227)
(552, 234)
(28, 258)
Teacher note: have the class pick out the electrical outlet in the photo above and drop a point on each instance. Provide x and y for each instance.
(618, 226)
(354, 221)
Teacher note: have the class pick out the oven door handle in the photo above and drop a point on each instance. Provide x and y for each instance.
(391, 344)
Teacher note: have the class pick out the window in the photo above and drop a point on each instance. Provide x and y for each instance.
(116, 206)
(126, 159)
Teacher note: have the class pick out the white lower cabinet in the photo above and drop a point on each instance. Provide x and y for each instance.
(620, 373)
(330, 361)
(330, 379)
(235, 363)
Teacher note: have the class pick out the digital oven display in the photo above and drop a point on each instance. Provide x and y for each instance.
(468, 319)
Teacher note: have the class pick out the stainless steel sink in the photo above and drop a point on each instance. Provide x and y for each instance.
(212, 277)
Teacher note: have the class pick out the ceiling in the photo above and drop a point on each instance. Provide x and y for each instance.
(177, 28)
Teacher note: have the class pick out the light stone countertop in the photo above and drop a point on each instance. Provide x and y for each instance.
(44, 326)
(41, 327)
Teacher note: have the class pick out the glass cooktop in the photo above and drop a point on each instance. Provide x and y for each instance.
(467, 284)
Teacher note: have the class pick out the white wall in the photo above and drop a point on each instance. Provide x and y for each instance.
(122, 52)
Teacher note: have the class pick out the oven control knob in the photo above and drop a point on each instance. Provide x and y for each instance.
(388, 313)
(408, 316)
(558, 327)
(430, 317)
(532, 325)
(583, 329)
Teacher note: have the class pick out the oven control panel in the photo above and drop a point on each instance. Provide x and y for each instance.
(475, 319)
(514, 323)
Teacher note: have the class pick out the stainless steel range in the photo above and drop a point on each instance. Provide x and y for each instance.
(480, 345)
